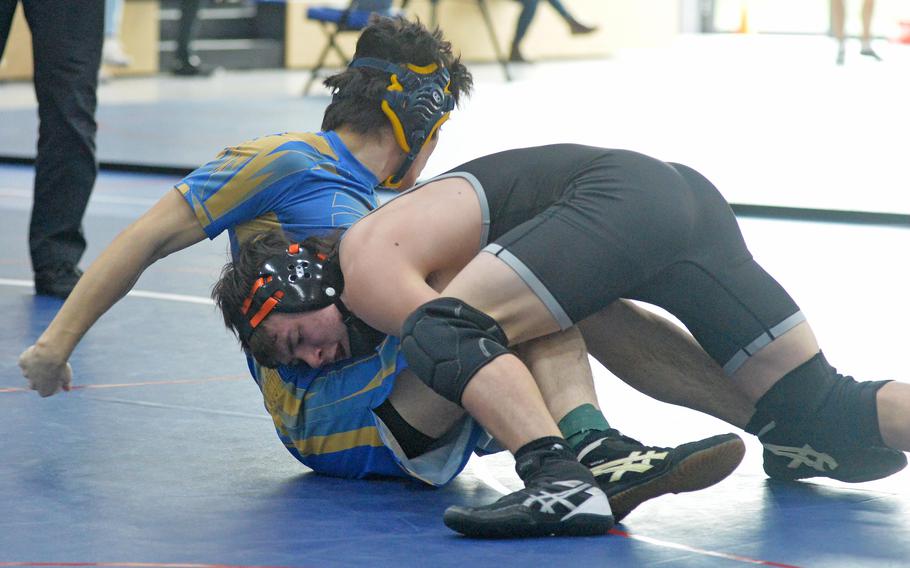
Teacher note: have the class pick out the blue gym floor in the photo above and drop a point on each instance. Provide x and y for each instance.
(163, 457)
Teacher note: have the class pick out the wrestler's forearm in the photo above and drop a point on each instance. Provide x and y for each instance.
(167, 227)
(107, 280)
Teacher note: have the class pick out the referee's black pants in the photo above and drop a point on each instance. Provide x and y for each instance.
(67, 36)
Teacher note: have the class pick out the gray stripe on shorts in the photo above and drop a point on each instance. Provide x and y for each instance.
(533, 282)
(788, 324)
(762, 341)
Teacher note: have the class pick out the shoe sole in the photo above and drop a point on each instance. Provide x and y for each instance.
(696, 471)
(519, 525)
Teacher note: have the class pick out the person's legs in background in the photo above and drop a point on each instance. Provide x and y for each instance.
(187, 62)
(838, 16)
(528, 10)
(837, 27)
(575, 26)
(66, 44)
(112, 53)
(7, 9)
(868, 9)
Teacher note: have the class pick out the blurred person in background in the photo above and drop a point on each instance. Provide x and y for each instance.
(528, 11)
(112, 52)
(188, 63)
(837, 29)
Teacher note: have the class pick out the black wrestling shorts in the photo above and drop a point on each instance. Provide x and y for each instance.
(585, 226)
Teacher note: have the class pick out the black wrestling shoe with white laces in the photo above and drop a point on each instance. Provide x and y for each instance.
(792, 451)
(630, 473)
(562, 500)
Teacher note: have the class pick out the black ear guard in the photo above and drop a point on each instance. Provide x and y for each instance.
(297, 280)
(416, 102)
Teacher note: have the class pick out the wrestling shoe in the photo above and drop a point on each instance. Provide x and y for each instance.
(792, 452)
(630, 473)
(560, 498)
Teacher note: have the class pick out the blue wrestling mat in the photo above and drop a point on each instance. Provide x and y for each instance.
(163, 456)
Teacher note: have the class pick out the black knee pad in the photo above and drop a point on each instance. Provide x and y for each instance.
(815, 393)
(446, 342)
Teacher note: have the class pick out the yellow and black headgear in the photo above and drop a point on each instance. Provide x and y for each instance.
(417, 101)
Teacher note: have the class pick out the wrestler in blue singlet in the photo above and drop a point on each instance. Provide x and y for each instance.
(305, 184)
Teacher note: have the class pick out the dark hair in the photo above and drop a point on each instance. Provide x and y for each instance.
(237, 278)
(358, 92)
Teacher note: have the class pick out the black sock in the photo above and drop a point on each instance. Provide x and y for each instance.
(531, 458)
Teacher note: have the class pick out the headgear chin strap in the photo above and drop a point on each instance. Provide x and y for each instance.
(362, 338)
(417, 101)
(297, 280)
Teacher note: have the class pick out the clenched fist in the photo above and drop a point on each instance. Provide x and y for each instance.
(45, 373)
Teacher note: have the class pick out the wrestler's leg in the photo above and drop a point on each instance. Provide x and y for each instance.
(893, 402)
(660, 359)
(560, 366)
(422, 408)
(763, 369)
(811, 419)
(628, 471)
(524, 292)
(519, 413)
(766, 368)
(503, 396)
(772, 371)
(572, 259)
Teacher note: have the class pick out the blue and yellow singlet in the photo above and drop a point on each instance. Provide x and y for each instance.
(304, 184)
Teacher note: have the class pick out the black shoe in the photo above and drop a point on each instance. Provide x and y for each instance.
(792, 452)
(631, 473)
(577, 28)
(192, 67)
(561, 503)
(515, 56)
(869, 52)
(57, 281)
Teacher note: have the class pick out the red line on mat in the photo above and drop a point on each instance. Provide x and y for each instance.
(701, 551)
(141, 384)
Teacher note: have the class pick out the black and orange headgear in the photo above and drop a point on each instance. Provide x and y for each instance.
(297, 280)
(416, 102)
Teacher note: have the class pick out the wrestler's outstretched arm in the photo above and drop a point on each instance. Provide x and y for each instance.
(167, 227)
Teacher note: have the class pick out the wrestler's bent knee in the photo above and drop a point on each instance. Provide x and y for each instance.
(446, 342)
